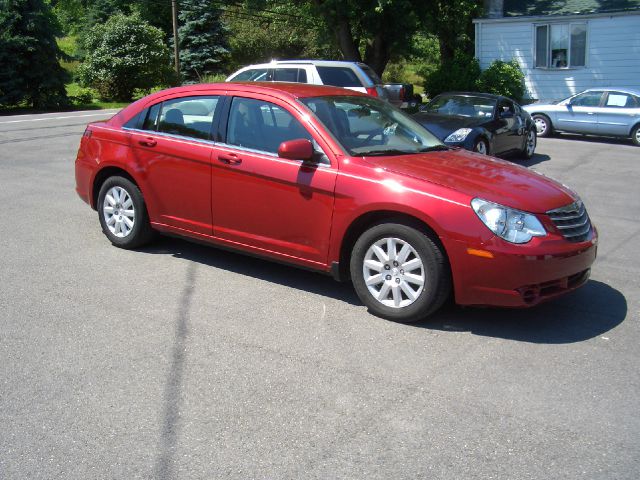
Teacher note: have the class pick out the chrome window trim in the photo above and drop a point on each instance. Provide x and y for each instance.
(224, 145)
(171, 135)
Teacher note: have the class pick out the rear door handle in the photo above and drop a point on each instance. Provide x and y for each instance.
(148, 142)
(231, 159)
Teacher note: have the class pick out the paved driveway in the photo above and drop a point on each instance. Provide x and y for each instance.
(180, 361)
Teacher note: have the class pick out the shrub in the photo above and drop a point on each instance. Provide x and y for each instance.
(458, 74)
(503, 78)
(82, 96)
(124, 54)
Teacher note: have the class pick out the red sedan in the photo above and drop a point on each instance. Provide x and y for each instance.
(340, 182)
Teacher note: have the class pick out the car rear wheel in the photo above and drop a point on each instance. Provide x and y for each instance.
(399, 273)
(123, 214)
(481, 146)
(543, 125)
(530, 142)
(635, 136)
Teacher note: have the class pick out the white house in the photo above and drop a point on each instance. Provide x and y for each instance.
(563, 46)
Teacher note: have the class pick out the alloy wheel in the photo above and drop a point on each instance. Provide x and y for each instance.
(531, 143)
(541, 125)
(393, 272)
(118, 211)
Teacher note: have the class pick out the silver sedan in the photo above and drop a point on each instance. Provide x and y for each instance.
(598, 111)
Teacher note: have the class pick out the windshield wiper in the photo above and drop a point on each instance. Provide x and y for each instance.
(435, 148)
(390, 151)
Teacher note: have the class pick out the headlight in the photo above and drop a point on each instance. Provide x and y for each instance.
(459, 135)
(512, 225)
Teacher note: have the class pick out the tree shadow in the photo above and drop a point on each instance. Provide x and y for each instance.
(586, 313)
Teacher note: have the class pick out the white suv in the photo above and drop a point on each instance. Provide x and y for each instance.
(352, 75)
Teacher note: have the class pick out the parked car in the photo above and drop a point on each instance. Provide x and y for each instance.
(338, 182)
(355, 76)
(401, 95)
(480, 122)
(598, 111)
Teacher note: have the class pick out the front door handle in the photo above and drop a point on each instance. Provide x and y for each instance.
(231, 159)
(148, 142)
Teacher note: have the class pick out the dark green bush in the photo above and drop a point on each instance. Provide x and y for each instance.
(83, 96)
(459, 74)
(124, 54)
(503, 78)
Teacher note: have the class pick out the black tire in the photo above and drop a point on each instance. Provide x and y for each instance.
(140, 232)
(544, 127)
(527, 152)
(635, 135)
(481, 146)
(434, 271)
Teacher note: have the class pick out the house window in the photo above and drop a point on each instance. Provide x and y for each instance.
(561, 45)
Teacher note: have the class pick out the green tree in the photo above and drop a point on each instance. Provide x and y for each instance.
(202, 40)
(279, 29)
(451, 23)
(372, 31)
(124, 54)
(29, 55)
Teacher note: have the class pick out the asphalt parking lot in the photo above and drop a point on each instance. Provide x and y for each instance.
(181, 361)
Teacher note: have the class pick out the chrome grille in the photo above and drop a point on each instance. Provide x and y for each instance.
(572, 221)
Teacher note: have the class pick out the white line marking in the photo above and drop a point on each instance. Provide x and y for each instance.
(104, 113)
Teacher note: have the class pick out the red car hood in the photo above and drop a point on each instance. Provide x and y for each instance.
(477, 175)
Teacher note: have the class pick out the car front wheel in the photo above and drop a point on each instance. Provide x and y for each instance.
(543, 125)
(481, 146)
(399, 273)
(123, 214)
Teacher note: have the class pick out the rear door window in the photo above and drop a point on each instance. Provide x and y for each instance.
(339, 77)
(298, 75)
(187, 117)
(621, 100)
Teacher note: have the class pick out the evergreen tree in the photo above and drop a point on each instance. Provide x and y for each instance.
(202, 39)
(29, 55)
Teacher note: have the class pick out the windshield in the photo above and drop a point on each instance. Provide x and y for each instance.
(462, 105)
(368, 126)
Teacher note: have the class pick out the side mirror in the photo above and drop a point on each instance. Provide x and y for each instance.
(298, 149)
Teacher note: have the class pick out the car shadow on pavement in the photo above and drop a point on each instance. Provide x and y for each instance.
(529, 162)
(263, 269)
(593, 139)
(587, 313)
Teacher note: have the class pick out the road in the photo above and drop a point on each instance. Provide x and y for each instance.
(181, 361)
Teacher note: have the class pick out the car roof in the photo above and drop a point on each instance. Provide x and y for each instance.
(476, 94)
(631, 91)
(320, 63)
(283, 90)
(286, 89)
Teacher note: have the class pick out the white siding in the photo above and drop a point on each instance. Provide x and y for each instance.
(613, 54)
